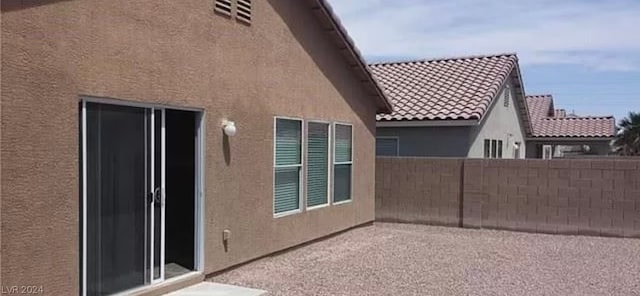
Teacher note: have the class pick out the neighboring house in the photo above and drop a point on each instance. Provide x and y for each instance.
(146, 144)
(454, 107)
(558, 134)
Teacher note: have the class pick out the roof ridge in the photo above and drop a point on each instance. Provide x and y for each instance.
(442, 59)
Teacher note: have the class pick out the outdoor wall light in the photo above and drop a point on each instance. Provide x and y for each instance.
(229, 128)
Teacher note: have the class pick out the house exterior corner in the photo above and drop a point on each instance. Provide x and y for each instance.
(59, 57)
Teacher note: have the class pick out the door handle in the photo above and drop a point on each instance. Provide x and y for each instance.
(157, 196)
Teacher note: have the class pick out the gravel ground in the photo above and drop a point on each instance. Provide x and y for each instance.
(398, 259)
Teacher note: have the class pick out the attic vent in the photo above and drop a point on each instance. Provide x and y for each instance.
(223, 7)
(243, 11)
(507, 96)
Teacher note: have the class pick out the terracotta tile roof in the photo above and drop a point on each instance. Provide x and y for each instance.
(549, 122)
(443, 89)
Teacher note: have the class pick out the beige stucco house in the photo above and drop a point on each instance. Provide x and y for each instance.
(148, 144)
(454, 107)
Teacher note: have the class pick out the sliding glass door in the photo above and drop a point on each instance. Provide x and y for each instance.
(123, 194)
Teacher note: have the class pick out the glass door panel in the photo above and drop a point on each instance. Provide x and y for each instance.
(124, 197)
(115, 202)
(157, 204)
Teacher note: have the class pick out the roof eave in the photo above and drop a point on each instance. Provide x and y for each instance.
(524, 108)
(427, 123)
(571, 138)
(384, 105)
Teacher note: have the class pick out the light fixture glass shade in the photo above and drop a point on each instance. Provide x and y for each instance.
(229, 128)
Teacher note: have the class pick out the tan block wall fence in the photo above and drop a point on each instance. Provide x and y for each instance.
(593, 197)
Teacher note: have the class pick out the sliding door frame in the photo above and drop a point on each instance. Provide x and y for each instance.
(199, 188)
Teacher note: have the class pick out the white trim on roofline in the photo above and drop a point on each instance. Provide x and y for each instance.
(427, 123)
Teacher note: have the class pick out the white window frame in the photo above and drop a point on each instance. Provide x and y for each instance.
(389, 137)
(301, 174)
(486, 150)
(492, 146)
(334, 163)
(329, 164)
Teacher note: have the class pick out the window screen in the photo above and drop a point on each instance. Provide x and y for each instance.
(487, 148)
(317, 164)
(343, 162)
(494, 148)
(288, 165)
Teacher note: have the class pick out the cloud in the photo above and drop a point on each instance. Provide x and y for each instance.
(602, 35)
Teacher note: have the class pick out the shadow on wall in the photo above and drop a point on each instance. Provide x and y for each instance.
(327, 57)
(226, 149)
(12, 5)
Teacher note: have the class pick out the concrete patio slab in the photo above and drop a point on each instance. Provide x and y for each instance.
(215, 289)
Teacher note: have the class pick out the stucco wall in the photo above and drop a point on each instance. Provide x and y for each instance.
(500, 123)
(176, 53)
(430, 141)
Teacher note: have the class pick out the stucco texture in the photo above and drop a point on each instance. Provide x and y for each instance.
(501, 123)
(177, 53)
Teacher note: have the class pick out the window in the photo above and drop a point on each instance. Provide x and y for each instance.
(317, 164)
(547, 152)
(342, 163)
(487, 148)
(387, 146)
(493, 148)
(287, 166)
(516, 150)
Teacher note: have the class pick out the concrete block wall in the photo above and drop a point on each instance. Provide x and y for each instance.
(419, 190)
(591, 196)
